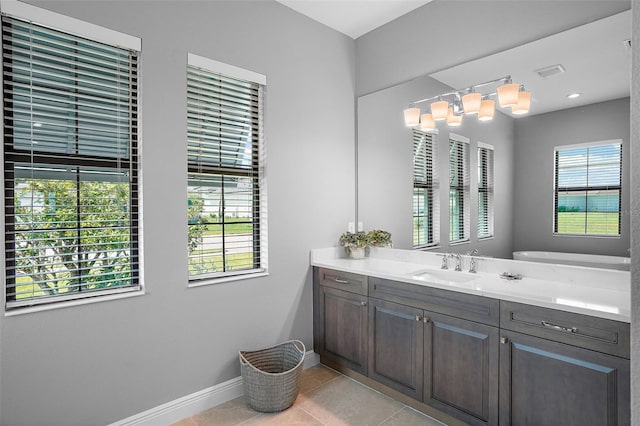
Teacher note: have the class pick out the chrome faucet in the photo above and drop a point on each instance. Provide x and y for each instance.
(473, 262)
(458, 262)
(445, 260)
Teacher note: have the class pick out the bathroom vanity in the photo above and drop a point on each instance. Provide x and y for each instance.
(549, 349)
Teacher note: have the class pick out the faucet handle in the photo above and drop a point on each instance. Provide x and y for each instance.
(445, 260)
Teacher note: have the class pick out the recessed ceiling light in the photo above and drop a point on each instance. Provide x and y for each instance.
(573, 95)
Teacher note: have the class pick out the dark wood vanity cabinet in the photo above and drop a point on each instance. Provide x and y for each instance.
(480, 360)
(446, 362)
(341, 319)
(396, 345)
(569, 369)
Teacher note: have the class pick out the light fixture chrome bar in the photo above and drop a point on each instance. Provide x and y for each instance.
(506, 80)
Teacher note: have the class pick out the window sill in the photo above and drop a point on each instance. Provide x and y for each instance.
(221, 280)
(459, 243)
(76, 302)
(555, 234)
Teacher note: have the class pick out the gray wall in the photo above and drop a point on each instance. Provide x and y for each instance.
(102, 362)
(385, 174)
(536, 136)
(635, 216)
(433, 37)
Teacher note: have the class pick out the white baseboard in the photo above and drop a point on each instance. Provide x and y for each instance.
(196, 402)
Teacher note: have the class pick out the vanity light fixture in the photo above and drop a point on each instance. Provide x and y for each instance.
(439, 109)
(427, 123)
(470, 100)
(453, 120)
(508, 94)
(412, 116)
(524, 102)
(487, 109)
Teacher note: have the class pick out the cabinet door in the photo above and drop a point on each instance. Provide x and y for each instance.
(343, 328)
(461, 368)
(395, 346)
(549, 383)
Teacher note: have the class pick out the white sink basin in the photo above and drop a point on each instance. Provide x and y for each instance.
(443, 275)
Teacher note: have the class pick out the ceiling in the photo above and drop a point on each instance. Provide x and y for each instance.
(596, 59)
(595, 56)
(353, 17)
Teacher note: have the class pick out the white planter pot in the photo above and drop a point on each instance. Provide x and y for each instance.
(357, 252)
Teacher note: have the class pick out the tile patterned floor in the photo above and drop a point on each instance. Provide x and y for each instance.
(326, 398)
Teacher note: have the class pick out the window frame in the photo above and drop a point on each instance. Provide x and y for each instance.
(486, 185)
(586, 189)
(259, 212)
(76, 28)
(462, 190)
(431, 185)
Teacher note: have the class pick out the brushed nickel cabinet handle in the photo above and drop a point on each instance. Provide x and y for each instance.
(559, 327)
(504, 340)
(338, 280)
(426, 320)
(418, 318)
(363, 303)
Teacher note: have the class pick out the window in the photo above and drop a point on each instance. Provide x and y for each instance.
(426, 217)
(588, 188)
(485, 190)
(70, 163)
(226, 194)
(459, 190)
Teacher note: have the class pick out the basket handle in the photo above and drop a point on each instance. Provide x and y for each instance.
(299, 346)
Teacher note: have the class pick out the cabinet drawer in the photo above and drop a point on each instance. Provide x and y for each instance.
(598, 334)
(346, 281)
(466, 306)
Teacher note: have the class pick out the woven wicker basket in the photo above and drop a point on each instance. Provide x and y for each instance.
(271, 376)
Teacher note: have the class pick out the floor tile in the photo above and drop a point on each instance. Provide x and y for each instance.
(230, 413)
(315, 377)
(410, 417)
(326, 398)
(292, 416)
(342, 401)
(189, 421)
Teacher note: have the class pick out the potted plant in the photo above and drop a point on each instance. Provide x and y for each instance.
(355, 243)
(379, 238)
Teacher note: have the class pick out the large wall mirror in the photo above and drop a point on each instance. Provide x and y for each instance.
(595, 62)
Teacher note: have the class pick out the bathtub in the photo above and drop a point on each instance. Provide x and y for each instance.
(576, 259)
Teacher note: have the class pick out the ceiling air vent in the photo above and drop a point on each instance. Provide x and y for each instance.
(627, 43)
(547, 72)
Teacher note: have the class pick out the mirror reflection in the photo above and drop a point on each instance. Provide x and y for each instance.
(553, 180)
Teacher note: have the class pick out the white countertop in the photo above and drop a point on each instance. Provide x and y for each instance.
(597, 292)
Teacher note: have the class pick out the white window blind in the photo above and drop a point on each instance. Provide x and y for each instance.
(426, 206)
(588, 185)
(225, 195)
(485, 190)
(459, 189)
(71, 165)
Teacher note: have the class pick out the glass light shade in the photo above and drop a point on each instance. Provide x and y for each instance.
(427, 123)
(453, 120)
(412, 116)
(508, 94)
(439, 110)
(487, 109)
(471, 103)
(524, 102)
